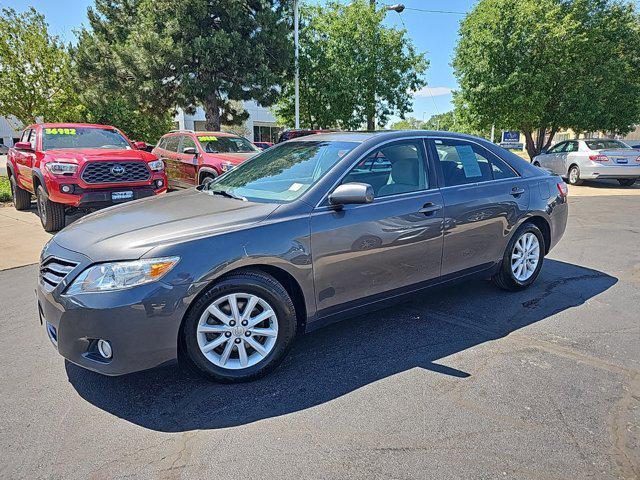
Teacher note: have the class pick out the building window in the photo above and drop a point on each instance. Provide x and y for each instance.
(266, 133)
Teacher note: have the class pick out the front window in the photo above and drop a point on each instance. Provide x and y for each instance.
(83, 137)
(605, 144)
(283, 173)
(220, 144)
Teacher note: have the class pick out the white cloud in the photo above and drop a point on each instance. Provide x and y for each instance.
(432, 91)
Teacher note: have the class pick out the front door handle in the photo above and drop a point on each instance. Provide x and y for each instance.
(429, 208)
(516, 191)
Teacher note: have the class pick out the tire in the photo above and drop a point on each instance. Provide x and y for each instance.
(21, 198)
(573, 177)
(506, 278)
(206, 178)
(213, 364)
(51, 213)
(626, 182)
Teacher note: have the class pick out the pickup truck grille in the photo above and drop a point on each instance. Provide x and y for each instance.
(53, 270)
(115, 172)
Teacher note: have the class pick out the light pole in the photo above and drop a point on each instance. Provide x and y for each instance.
(296, 19)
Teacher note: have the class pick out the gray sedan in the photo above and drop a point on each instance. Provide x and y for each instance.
(311, 231)
(593, 159)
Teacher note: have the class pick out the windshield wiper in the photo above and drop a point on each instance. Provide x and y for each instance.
(224, 193)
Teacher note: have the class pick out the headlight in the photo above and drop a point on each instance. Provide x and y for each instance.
(118, 275)
(156, 165)
(59, 168)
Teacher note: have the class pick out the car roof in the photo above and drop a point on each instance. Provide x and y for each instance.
(361, 137)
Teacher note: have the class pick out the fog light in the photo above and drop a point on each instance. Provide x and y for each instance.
(159, 183)
(104, 349)
(66, 188)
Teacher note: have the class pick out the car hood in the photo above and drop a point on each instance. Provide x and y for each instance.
(235, 158)
(130, 230)
(82, 155)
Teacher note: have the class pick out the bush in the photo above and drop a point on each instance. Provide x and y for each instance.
(5, 190)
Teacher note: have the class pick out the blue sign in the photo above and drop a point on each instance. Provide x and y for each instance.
(511, 136)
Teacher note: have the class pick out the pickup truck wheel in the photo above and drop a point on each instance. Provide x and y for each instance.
(206, 178)
(626, 182)
(21, 198)
(240, 329)
(522, 259)
(51, 213)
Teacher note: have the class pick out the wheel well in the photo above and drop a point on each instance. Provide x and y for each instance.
(544, 227)
(286, 280)
(572, 165)
(36, 183)
(205, 173)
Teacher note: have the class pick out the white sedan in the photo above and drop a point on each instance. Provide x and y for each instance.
(591, 159)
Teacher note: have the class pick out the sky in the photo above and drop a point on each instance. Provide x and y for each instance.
(433, 33)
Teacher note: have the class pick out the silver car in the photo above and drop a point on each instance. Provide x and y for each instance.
(591, 159)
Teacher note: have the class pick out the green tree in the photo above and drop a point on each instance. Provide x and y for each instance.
(541, 65)
(193, 52)
(409, 123)
(36, 80)
(353, 69)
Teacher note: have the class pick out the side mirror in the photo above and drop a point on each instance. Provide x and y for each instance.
(140, 145)
(351, 193)
(25, 146)
(190, 151)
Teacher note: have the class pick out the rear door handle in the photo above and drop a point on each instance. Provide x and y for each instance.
(429, 208)
(515, 191)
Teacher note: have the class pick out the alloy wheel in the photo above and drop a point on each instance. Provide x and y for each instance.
(237, 331)
(573, 175)
(525, 256)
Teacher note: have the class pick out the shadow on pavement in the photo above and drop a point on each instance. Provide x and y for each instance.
(343, 357)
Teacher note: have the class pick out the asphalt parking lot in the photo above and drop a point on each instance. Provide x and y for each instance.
(463, 382)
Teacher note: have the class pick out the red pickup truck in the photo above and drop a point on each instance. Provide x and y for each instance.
(71, 166)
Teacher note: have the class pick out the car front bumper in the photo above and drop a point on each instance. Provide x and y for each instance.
(595, 170)
(140, 323)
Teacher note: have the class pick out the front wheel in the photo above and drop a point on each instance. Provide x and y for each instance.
(21, 198)
(626, 182)
(574, 175)
(522, 259)
(240, 329)
(51, 213)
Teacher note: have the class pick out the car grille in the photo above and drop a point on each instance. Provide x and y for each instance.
(53, 270)
(115, 172)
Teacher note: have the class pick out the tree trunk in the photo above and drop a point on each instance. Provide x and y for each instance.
(535, 147)
(211, 113)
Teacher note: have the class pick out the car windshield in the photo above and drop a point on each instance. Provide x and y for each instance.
(83, 137)
(605, 144)
(219, 144)
(282, 173)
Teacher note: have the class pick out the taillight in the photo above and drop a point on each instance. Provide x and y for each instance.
(599, 158)
(562, 189)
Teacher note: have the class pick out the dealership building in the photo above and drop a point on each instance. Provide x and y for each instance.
(8, 131)
(261, 125)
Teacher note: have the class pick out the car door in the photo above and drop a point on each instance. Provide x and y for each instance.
(188, 161)
(483, 199)
(566, 157)
(391, 244)
(25, 160)
(557, 158)
(172, 163)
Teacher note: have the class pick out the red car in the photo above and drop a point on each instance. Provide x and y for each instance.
(71, 166)
(193, 158)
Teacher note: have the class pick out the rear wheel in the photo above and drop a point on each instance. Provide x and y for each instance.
(240, 329)
(21, 198)
(51, 213)
(626, 182)
(522, 259)
(574, 175)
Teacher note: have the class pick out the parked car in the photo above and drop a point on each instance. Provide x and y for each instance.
(592, 159)
(71, 166)
(193, 158)
(263, 145)
(3, 149)
(296, 133)
(306, 233)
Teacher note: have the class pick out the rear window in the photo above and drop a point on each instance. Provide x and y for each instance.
(83, 137)
(605, 144)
